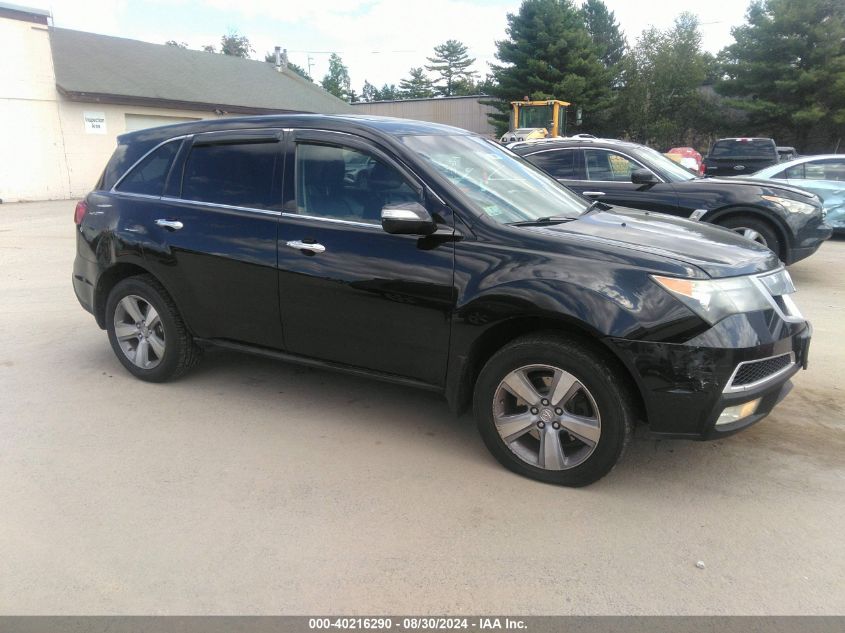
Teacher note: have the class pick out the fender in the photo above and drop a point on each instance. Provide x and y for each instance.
(772, 218)
(117, 260)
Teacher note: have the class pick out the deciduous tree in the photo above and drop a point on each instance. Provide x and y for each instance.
(236, 45)
(661, 102)
(336, 81)
(369, 92)
(299, 70)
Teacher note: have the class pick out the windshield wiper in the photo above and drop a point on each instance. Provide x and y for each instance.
(552, 219)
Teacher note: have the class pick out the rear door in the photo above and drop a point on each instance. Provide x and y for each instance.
(351, 293)
(565, 164)
(216, 228)
(605, 175)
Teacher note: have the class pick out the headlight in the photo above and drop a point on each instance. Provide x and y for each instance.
(791, 205)
(714, 299)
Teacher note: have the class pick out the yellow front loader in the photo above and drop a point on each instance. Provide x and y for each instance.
(536, 119)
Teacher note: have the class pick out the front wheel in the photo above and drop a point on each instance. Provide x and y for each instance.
(146, 331)
(755, 230)
(552, 409)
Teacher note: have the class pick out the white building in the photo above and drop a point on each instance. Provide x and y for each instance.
(66, 95)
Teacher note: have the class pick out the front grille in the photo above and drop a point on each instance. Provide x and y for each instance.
(755, 371)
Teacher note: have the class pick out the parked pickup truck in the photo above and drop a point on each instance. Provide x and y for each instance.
(740, 156)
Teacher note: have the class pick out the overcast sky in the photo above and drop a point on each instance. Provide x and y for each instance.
(379, 40)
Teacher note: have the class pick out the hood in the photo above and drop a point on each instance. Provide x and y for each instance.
(717, 251)
(760, 183)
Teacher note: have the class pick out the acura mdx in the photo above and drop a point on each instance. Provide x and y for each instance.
(427, 256)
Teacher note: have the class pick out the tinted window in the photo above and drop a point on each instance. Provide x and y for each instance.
(345, 184)
(560, 164)
(796, 171)
(149, 175)
(744, 148)
(237, 174)
(608, 166)
(825, 170)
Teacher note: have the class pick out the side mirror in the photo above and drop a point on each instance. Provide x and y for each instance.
(643, 177)
(407, 218)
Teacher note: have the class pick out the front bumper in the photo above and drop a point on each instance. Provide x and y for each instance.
(684, 386)
(808, 241)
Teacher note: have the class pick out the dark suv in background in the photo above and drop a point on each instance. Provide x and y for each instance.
(740, 156)
(427, 256)
(788, 220)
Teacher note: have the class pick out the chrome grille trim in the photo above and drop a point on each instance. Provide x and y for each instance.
(736, 388)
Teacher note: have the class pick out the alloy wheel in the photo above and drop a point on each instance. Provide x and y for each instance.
(750, 234)
(546, 417)
(139, 331)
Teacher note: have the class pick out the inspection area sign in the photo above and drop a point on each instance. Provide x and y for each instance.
(95, 122)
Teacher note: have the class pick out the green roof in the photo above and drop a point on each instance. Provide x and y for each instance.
(92, 67)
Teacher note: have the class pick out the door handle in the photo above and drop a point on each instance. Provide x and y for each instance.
(305, 246)
(594, 193)
(170, 225)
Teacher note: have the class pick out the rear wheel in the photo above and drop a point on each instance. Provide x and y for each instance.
(550, 408)
(755, 230)
(146, 331)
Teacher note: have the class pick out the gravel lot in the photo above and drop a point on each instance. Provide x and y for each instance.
(252, 486)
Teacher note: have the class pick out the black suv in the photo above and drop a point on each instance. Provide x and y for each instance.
(427, 256)
(788, 220)
(740, 156)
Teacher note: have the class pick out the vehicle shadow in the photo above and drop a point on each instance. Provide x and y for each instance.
(410, 417)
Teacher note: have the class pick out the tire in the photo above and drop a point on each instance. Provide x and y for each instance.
(591, 424)
(168, 348)
(759, 231)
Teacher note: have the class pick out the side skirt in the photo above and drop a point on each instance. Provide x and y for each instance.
(320, 364)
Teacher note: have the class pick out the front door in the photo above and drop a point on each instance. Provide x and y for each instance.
(349, 292)
(606, 176)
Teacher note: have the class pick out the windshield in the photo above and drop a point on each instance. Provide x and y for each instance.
(495, 181)
(535, 116)
(670, 168)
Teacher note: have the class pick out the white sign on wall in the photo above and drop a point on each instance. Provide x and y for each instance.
(95, 122)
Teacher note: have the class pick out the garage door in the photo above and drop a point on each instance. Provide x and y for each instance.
(143, 121)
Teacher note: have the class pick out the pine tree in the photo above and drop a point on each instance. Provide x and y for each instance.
(606, 34)
(417, 85)
(388, 92)
(786, 69)
(549, 55)
(452, 63)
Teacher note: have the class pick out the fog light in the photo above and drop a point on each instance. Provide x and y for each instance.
(738, 412)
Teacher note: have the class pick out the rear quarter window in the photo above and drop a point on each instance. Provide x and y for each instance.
(148, 176)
